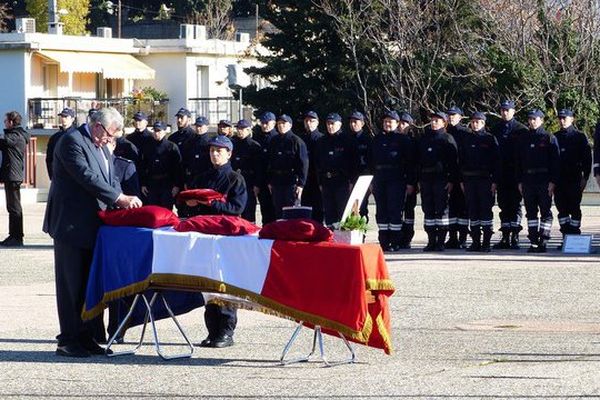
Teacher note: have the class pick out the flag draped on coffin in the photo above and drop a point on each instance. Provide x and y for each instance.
(322, 284)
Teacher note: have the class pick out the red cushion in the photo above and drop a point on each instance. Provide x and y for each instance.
(201, 195)
(298, 230)
(228, 225)
(146, 216)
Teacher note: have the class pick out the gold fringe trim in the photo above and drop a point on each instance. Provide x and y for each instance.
(380, 284)
(385, 335)
(129, 290)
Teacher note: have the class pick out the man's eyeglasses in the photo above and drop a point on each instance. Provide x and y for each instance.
(110, 135)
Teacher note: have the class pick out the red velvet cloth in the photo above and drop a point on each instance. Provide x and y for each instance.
(201, 195)
(146, 216)
(227, 225)
(296, 230)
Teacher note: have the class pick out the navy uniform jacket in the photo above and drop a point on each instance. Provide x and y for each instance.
(226, 181)
(393, 157)
(507, 134)
(195, 157)
(310, 139)
(288, 160)
(246, 159)
(597, 149)
(182, 135)
(479, 156)
(52, 145)
(537, 158)
(575, 155)
(263, 139)
(437, 156)
(364, 140)
(161, 163)
(139, 137)
(459, 133)
(336, 158)
(126, 149)
(126, 174)
(80, 188)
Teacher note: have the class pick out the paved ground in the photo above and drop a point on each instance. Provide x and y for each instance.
(502, 325)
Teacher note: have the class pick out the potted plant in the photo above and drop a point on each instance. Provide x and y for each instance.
(353, 229)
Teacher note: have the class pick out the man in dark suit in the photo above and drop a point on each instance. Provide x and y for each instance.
(83, 183)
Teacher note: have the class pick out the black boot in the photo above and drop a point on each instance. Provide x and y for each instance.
(487, 236)
(395, 240)
(541, 248)
(462, 237)
(504, 242)
(514, 241)
(452, 242)
(384, 239)
(431, 238)
(475, 239)
(406, 237)
(441, 237)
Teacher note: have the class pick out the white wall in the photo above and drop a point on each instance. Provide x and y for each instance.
(14, 65)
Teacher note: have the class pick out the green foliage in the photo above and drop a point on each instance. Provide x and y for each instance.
(355, 222)
(75, 20)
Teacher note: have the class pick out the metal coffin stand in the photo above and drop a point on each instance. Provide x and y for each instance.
(317, 337)
(150, 317)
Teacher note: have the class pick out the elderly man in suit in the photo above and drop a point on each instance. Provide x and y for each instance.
(83, 183)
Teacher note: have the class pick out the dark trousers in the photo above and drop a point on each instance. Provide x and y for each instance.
(311, 196)
(537, 199)
(220, 320)
(71, 270)
(267, 211)
(567, 198)
(12, 190)
(434, 202)
(364, 207)
(161, 195)
(283, 196)
(457, 210)
(408, 223)
(480, 200)
(389, 202)
(249, 212)
(509, 201)
(335, 196)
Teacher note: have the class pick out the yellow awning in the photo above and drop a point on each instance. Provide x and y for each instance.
(111, 65)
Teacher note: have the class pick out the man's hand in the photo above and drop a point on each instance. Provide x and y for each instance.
(520, 188)
(124, 201)
(175, 191)
(256, 190)
(410, 189)
(192, 203)
(144, 190)
(551, 187)
(270, 188)
(494, 188)
(449, 187)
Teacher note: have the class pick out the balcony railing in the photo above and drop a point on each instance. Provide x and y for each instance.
(43, 111)
(218, 108)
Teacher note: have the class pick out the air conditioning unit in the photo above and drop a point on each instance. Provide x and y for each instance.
(104, 31)
(187, 31)
(199, 32)
(242, 37)
(25, 25)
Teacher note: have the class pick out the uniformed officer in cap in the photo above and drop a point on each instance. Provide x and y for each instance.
(336, 158)
(195, 156)
(438, 170)
(225, 128)
(246, 160)
(160, 175)
(288, 166)
(457, 205)
(538, 171)
(263, 133)
(575, 168)
(141, 132)
(364, 139)
(184, 130)
(507, 133)
(405, 127)
(311, 195)
(67, 123)
(479, 160)
(220, 320)
(393, 165)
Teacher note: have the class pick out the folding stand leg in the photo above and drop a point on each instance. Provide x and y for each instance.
(318, 336)
(150, 317)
